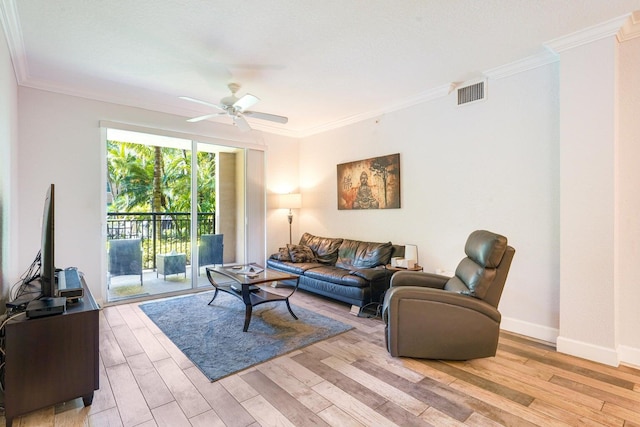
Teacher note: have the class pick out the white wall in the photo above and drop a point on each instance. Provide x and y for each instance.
(629, 200)
(8, 179)
(489, 165)
(282, 159)
(587, 216)
(60, 143)
(600, 99)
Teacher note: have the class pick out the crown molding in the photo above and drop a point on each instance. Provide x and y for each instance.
(522, 65)
(631, 28)
(276, 130)
(15, 42)
(421, 97)
(597, 32)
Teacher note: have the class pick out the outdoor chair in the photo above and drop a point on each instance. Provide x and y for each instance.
(125, 258)
(210, 250)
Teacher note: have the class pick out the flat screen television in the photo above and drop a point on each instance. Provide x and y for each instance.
(47, 263)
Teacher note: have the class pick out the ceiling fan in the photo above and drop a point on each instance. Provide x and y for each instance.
(236, 108)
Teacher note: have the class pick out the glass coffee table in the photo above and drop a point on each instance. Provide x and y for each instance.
(246, 279)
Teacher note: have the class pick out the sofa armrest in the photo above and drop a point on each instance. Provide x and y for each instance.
(370, 274)
(378, 278)
(418, 278)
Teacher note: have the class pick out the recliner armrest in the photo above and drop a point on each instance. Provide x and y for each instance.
(418, 278)
(429, 295)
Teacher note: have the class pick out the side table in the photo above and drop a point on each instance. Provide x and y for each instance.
(171, 264)
(414, 268)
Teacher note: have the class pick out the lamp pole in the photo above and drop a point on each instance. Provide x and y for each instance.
(290, 218)
(290, 201)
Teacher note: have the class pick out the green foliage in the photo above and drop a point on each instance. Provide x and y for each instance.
(132, 171)
(206, 182)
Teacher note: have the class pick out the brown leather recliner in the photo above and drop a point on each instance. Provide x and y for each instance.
(436, 317)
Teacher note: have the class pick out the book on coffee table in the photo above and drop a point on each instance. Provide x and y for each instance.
(249, 270)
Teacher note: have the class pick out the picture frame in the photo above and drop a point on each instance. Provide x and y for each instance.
(370, 183)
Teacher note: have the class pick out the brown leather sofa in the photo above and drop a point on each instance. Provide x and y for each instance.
(351, 271)
(453, 318)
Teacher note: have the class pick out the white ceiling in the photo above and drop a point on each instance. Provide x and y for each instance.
(321, 63)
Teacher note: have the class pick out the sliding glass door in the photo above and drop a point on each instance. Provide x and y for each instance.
(174, 206)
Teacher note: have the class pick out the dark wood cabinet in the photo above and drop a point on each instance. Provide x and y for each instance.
(51, 360)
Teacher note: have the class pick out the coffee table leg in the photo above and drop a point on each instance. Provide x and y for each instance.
(291, 311)
(247, 317)
(215, 294)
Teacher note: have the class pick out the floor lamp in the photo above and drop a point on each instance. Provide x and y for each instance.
(290, 201)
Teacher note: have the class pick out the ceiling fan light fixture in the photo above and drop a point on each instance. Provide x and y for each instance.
(236, 108)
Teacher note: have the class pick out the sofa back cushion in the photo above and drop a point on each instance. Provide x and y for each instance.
(358, 254)
(324, 248)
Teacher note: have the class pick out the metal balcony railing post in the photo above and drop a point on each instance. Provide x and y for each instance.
(154, 230)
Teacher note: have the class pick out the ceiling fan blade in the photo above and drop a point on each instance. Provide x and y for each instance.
(242, 123)
(208, 104)
(245, 102)
(205, 117)
(266, 116)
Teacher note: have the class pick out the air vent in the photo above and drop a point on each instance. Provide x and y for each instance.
(471, 93)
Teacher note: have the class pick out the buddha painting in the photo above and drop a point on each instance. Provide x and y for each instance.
(370, 184)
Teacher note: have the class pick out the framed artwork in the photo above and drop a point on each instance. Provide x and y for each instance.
(370, 184)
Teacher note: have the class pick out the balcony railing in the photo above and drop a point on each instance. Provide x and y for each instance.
(159, 232)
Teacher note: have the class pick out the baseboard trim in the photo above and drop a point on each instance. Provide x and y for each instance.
(528, 329)
(596, 353)
(629, 355)
(623, 354)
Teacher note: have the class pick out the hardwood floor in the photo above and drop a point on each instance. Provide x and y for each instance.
(349, 380)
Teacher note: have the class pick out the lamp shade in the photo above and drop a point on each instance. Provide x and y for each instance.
(411, 252)
(290, 201)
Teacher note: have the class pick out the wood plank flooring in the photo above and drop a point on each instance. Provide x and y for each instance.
(348, 380)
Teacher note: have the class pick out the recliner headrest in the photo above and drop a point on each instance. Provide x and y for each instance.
(485, 248)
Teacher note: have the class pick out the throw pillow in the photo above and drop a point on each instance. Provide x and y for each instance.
(283, 254)
(301, 253)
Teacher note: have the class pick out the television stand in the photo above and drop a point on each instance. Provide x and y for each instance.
(51, 360)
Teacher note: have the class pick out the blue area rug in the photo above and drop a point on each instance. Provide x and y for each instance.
(211, 335)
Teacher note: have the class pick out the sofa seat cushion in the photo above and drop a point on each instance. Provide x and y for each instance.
(339, 276)
(292, 267)
(355, 253)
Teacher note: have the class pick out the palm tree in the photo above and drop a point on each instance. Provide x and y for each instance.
(129, 176)
(156, 179)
